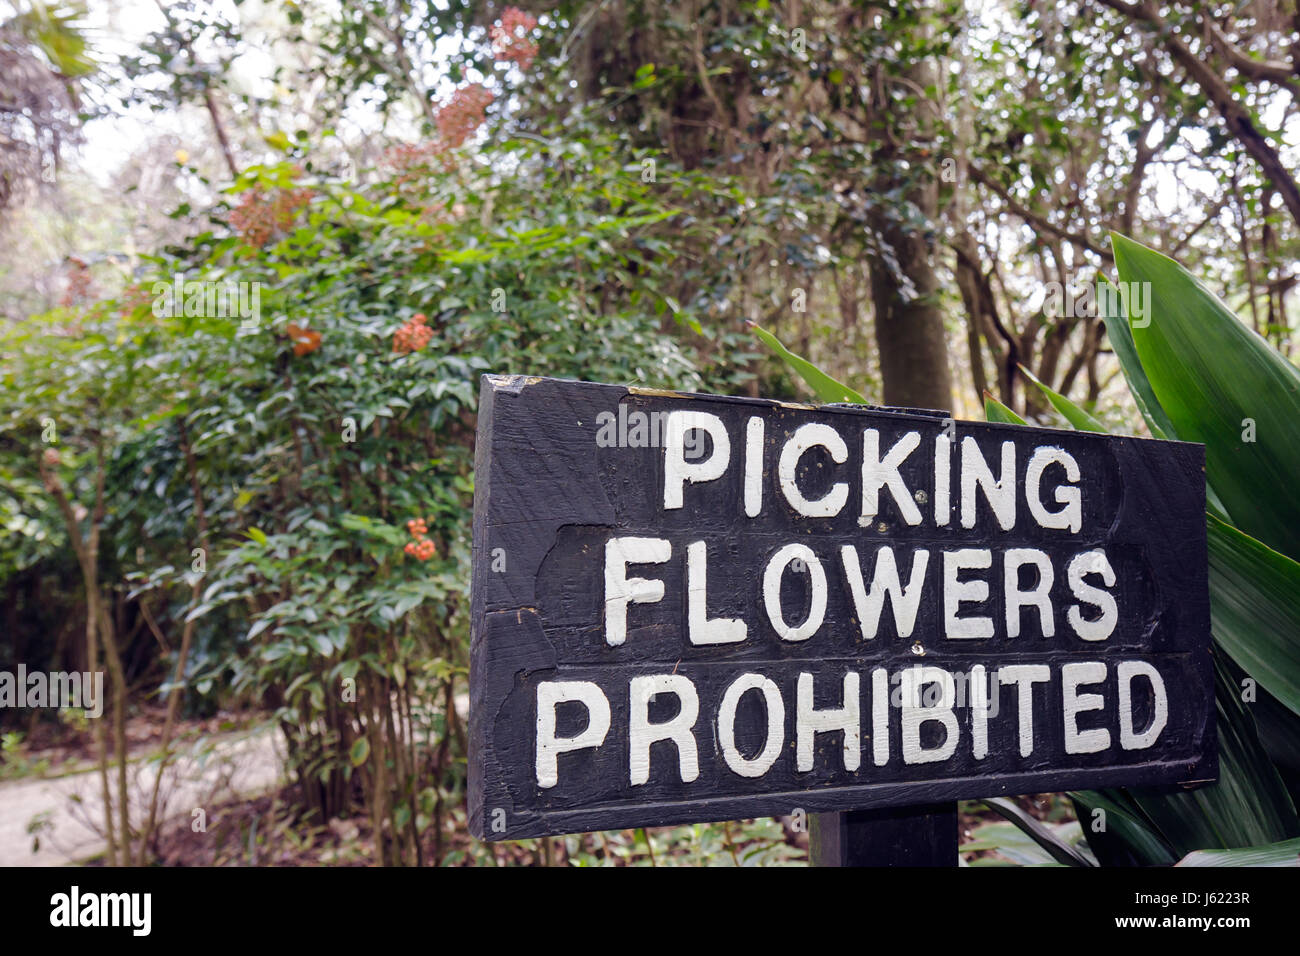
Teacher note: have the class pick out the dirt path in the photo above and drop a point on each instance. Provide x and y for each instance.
(70, 809)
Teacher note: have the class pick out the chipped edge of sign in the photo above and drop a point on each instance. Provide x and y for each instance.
(513, 384)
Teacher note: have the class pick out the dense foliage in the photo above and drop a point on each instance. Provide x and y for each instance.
(286, 478)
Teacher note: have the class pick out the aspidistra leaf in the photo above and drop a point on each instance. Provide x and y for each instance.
(1255, 609)
(824, 387)
(1082, 420)
(1222, 385)
(1285, 853)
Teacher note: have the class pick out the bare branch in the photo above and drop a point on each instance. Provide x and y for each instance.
(1036, 220)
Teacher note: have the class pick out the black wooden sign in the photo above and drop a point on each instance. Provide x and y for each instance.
(692, 607)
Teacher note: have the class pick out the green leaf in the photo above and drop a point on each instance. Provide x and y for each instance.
(1009, 842)
(1219, 382)
(995, 411)
(360, 751)
(1121, 342)
(1125, 828)
(824, 387)
(1255, 609)
(1248, 806)
(1046, 837)
(1075, 415)
(1284, 853)
(278, 141)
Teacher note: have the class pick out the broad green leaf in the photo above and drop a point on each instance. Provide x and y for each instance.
(1255, 609)
(1245, 575)
(1048, 838)
(1121, 342)
(995, 411)
(1248, 806)
(1285, 853)
(1007, 841)
(1223, 385)
(1075, 415)
(1121, 827)
(825, 387)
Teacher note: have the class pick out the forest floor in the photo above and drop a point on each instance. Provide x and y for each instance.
(223, 802)
(53, 812)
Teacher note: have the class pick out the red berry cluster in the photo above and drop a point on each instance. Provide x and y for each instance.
(132, 299)
(421, 548)
(413, 167)
(413, 162)
(79, 282)
(260, 215)
(463, 113)
(413, 335)
(510, 37)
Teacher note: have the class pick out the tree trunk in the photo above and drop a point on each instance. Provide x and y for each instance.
(910, 334)
(909, 323)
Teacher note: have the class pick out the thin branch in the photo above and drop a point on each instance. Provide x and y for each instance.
(1275, 71)
(1235, 115)
(1036, 220)
(405, 65)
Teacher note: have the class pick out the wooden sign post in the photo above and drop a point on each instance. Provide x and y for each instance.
(698, 608)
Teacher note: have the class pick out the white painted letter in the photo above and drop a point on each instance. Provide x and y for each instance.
(1126, 671)
(942, 478)
(805, 437)
(810, 722)
(677, 470)
(620, 590)
(1001, 494)
(979, 711)
(642, 733)
(720, 630)
(913, 715)
(549, 746)
(955, 592)
(1024, 676)
(868, 604)
(1074, 704)
(1092, 562)
(1070, 515)
(772, 575)
(880, 716)
(753, 467)
(775, 725)
(1038, 597)
(878, 472)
